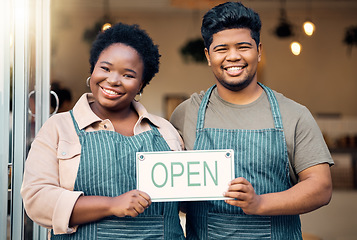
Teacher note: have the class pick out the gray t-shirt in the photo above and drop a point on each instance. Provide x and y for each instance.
(305, 143)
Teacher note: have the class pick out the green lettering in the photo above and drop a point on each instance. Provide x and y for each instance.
(191, 173)
(175, 174)
(152, 175)
(205, 167)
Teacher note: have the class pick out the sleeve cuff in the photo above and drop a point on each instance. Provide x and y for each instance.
(63, 211)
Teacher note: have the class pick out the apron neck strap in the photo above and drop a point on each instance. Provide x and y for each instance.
(274, 106)
(202, 109)
(271, 97)
(154, 128)
(75, 123)
(78, 130)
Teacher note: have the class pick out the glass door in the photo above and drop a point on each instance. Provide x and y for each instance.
(24, 104)
(5, 134)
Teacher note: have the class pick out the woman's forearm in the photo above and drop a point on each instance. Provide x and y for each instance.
(90, 209)
(93, 208)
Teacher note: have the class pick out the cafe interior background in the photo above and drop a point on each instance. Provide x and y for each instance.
(322, 76)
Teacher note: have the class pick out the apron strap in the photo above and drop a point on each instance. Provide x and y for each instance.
(156, 131)
(274, 106)
(202, 109)
(271, 97)
(78, 131)
(154, 128)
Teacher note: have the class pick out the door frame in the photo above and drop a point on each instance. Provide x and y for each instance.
(27, 22)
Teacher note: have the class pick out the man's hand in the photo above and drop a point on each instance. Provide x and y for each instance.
(244, 196)
(314, 190)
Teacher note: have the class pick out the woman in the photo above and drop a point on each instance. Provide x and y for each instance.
(80, 175)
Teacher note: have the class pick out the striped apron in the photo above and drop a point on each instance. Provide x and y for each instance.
(260, 157)
(107, 168)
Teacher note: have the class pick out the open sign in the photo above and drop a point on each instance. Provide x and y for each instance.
(185, 175)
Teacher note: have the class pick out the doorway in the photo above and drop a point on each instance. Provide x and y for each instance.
(24, 104)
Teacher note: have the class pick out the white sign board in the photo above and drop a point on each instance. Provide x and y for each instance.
(185, 175)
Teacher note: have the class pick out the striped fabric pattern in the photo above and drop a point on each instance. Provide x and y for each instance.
(260, 157)
(240, 227)
(107, 168)
(122, 228)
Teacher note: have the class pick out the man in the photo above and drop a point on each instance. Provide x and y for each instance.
(281, 160)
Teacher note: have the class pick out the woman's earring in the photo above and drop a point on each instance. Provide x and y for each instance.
(88, 79)
(137, 99)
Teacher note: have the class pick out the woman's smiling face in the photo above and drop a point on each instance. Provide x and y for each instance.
(116, 78)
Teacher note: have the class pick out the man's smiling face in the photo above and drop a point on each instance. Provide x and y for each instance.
(234, 57)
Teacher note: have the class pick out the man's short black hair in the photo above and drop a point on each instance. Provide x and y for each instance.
(133, 36)
(230, 15)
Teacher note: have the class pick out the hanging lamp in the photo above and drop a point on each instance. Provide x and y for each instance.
(308, 25)
(284, 28)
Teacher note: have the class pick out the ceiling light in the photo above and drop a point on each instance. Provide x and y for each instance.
(106, 26)
(295, 48)
(309, 28)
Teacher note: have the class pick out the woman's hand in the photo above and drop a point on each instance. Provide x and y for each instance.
(93, 208)
(131, 203)
(244, 196)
